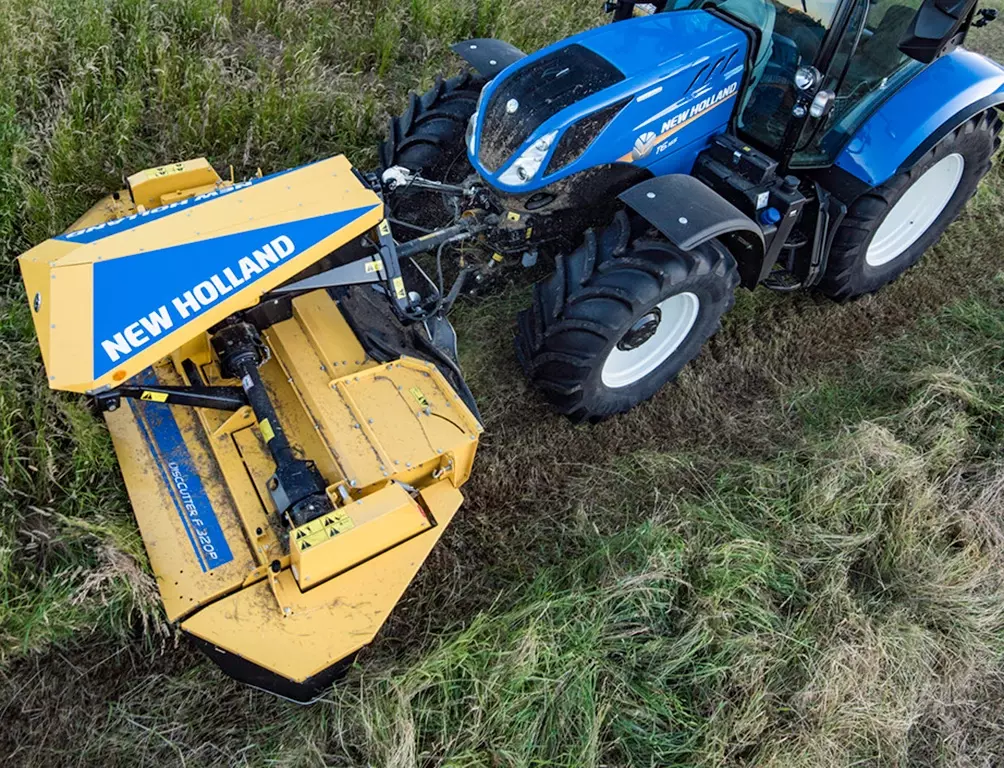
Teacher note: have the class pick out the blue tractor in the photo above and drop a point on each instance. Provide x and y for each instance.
(688, 148)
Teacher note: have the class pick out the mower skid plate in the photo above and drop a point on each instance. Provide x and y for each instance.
(318, 631)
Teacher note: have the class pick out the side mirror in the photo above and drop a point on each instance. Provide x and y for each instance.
(938, 27)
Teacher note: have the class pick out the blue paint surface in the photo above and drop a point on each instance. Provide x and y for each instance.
(673, 61)
(132, 287)
(174, 463)
(901, 124)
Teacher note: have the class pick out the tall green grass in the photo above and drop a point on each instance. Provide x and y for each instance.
(842, 604)
(91, 90)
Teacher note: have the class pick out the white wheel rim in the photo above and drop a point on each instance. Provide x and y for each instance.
(915, 212)
(624, 367)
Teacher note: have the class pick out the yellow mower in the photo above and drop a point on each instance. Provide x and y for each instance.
(291, 425)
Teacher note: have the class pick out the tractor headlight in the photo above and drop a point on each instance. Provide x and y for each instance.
(527, 164)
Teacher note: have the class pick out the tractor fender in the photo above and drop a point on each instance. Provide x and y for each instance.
(487, 55)
(935, 102)
(688, 213)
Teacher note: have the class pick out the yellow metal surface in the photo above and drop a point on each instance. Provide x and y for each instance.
(349, 535)
(378, 425)
(149, 188)
(74, 354)
(328, 599)
(372, 422)
(330, 621)
(114, 206)
(392, 441)
(170, 518)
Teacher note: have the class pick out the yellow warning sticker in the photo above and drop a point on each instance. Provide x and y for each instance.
(266, 430)
(419, 396)
(374, 266)
(399, 288)
(384, 228)
(154, 397)
(323, 528)
(513, 216)
(529, 232)
(338, 521)
(498, 257)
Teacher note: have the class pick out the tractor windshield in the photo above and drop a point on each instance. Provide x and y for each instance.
(867, 67)
(792, 33)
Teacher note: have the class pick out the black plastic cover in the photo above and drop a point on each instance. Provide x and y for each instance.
(537, 92)
(487, 55)
(751, 164)
(579, 136)
(937, 28)
(689, 213)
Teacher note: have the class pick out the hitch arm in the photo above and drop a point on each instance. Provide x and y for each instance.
(219, 398)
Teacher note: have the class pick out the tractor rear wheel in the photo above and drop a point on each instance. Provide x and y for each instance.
(888, 228)
(428, 139)
(620, 317)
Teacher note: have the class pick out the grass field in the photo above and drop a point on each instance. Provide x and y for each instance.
(794, 557)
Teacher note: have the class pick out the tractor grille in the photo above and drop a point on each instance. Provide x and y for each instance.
(542, 89)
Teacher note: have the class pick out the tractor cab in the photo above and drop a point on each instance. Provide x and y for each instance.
(818, 68)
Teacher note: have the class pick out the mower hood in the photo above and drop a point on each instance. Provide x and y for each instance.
(110, 298)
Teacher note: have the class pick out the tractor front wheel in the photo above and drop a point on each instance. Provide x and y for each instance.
(620, 317)
(888, 228)
(428, 139)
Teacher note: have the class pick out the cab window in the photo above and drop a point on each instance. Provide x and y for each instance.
(869, 66)
(791, 37)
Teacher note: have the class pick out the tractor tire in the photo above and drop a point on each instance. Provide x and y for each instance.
(429, 137)
(586, 342)
(888, 228)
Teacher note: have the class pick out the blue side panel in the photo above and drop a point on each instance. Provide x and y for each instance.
(139, 297)
(174, 463)
(935, 95)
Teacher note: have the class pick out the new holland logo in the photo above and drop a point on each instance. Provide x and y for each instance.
(648, 141)
(643, 145)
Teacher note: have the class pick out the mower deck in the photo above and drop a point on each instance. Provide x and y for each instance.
(278, 608)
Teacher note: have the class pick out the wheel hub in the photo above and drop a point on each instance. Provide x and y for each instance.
(916, 211)
(643, 330)
(651, 340)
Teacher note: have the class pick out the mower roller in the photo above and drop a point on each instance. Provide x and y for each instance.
(275, 363)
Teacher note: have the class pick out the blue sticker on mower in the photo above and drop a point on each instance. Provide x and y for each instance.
(174, 462)
(113, 227)
(141, 297)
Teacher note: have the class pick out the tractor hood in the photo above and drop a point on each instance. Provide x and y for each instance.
(631, 92)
